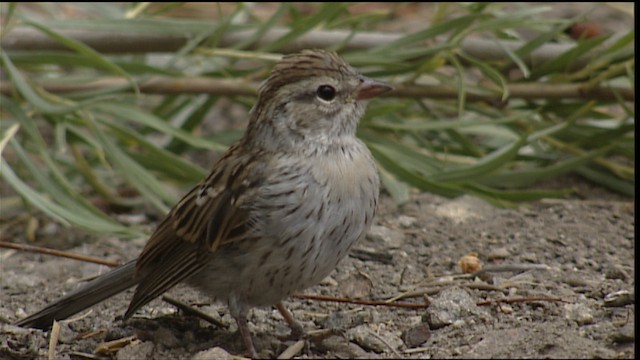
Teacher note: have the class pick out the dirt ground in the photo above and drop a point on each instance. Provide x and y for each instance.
(564, 270)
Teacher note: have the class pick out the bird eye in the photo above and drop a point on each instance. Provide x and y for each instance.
(326, 92)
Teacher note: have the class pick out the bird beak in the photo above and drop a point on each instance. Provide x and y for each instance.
(371, 88)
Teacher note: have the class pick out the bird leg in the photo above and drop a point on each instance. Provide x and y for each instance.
(239, 309)
(243, 327)
(296, 329)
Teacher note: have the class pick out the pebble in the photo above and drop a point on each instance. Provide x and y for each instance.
(361, 335)
(406, 221)
(142, 350)
(624, 335)
(339, 347)
(580, 313)
(451, 305)
(356, 286)
(499, 253)
(614, 272)
(619, 298)
(364, 337)
(416, 335)
(213, 353)
(392, 239)
(506, 309)
(329, 281)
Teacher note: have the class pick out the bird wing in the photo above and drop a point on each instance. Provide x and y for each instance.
(211, 215)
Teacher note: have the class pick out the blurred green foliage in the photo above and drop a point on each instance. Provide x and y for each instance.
(78, 155)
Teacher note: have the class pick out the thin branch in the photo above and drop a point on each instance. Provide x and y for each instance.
(505, 268)
(360, 302)
(229, 87)
(114, 42)
(41, 250)
(292, 350)
(192, 311)
(53, 340)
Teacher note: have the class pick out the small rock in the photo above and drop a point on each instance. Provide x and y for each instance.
(342, 348)
(20, 313)
(619, 299)
(142, 350)
(623, 335)
(213, 353)
(498, 254)
(329, 281)
(529, 257)
(614, 272)
(506, 309)
(361, 335)
(459, 324)
(406, 221)
(356, 286)
(450, 305)
(580, 313)
(416, 335)
(392, 239)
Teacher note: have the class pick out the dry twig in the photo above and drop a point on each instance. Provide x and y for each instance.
(192, 311)
(165, 85)
(292, 350)
(60, 253)
(53, 340)
(359, 302)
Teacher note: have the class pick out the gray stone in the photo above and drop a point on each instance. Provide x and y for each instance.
(143, 350)
(217, 353)
(361, 335)
(416, 335)
(390, 238)
(451, 305)
(580, 313)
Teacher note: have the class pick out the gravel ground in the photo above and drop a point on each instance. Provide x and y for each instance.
(562, 286)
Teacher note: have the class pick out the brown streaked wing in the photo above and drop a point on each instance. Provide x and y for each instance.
(182, 244)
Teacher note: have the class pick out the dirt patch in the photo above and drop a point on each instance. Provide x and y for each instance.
(580, 304)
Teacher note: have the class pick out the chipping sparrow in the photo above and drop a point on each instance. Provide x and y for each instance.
(279, 209)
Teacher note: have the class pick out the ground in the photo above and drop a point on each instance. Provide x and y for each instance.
(568, 289)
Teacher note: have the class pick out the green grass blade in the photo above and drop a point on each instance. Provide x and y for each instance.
(29, 93)
(99, 60)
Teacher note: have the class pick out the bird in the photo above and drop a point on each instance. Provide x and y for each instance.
(278, 211)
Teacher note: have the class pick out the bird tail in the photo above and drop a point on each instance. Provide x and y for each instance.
(93, 292)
